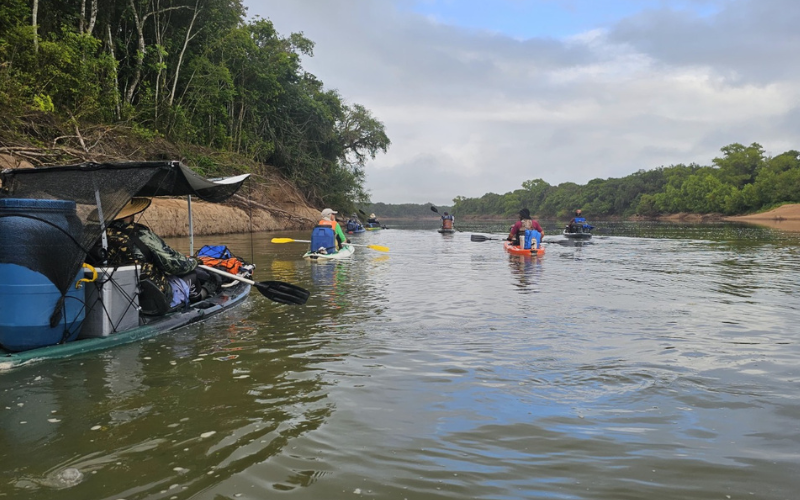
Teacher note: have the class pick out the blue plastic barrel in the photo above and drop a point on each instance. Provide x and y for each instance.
(27, 299)
(37, 249)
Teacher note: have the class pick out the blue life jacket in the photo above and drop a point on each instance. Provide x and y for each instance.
(580, 219)
(530, 235)
(352, 226)
(323, 237)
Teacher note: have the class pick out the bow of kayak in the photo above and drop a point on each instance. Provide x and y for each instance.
(343, 253)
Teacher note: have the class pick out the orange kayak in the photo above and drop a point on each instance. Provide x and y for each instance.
(515, 250)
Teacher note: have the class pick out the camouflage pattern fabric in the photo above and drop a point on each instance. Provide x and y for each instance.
(166, 261)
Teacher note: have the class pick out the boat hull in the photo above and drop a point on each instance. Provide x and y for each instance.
(225, 300)
(345, 252)
(515, 250)
(446, 231)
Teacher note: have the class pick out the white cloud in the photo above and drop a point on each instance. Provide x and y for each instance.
(471, 112)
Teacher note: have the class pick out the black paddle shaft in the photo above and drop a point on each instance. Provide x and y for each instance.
(478, 237)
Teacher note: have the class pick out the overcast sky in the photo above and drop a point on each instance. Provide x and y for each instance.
(478, 96)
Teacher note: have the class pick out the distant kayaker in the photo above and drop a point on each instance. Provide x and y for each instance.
(525, 223)
(448, 221)
(576, 221)
(328, 234)
(373, 221)
(353, 224)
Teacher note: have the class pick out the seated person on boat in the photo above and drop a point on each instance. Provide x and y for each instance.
(164, 271)
(447, 221)
(353, 224)
(525, 231)
(372, 221)
(578, 223)
(328, 236)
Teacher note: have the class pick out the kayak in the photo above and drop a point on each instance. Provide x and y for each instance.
(516, 250)
(577, 236)
(446, 231)
(343, 253)
(146, 327)
(376, 228)
(356, 231)
(46, 227)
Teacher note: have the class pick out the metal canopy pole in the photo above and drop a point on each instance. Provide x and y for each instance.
(191, 226)
(101, 218)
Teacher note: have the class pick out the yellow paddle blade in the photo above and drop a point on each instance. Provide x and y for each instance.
(282, 240)
(379, 248)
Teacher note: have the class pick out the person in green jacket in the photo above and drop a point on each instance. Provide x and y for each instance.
(329, 219)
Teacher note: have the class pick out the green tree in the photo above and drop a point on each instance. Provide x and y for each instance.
(739, 164)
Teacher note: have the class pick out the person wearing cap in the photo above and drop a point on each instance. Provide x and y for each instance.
(130, 242)
(524, 223)
(353, 223)
(329, 219)
(576, 221)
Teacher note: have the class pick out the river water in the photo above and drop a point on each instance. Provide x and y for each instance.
(656, 361)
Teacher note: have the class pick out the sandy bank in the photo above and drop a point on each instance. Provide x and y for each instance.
(785, 218)
(169, 217)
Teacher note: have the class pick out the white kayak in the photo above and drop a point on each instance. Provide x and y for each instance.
(343, 253)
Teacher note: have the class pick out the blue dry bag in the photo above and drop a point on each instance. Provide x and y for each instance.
(530, 235)
(215, 252)
(323, 237)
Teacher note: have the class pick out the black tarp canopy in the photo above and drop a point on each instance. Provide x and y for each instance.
(103, 188)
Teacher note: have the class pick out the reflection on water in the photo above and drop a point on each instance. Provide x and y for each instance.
(654, 361)
(526, 269)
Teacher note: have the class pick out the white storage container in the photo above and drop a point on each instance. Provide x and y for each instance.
(112, 302)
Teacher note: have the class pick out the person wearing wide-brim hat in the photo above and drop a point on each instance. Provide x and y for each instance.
(136, 205)
(373, 221)
(130, 242)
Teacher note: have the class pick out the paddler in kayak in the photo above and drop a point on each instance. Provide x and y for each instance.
(576, 222)
(521, 228)
(328, 236)
(448, 221)
(372, 221)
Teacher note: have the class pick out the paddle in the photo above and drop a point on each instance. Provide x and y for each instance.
(379, 248)
(277, 291)
(534, 251)
(478, 237)
(434, 209)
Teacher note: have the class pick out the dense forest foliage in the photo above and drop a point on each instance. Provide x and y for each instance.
(406, 210)
(742, 180)
(190, 71)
